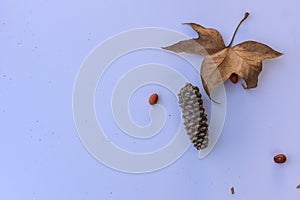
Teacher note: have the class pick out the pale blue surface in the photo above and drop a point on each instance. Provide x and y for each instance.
(43, 44)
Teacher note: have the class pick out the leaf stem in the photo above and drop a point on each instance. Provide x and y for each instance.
(245, 17)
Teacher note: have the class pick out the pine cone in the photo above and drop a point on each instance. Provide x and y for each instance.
(195, 118)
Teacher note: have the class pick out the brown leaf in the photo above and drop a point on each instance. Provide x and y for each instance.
(222, 61)
(244, 59)
(209, 41)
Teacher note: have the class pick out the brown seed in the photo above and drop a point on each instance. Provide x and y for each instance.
(298, 186)
(280, 158)
(234, 78)
(153, 99)
(232, 190)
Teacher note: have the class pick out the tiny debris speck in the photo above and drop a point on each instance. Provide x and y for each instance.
(232, 190)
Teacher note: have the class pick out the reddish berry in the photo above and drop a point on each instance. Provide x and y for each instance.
(280, 158)
(153, 99)
(234, 78)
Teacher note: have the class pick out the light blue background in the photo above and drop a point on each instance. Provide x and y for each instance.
(43, 43)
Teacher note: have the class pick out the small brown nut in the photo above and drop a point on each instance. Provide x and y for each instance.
(298, 186)
(153, 99)
(234, 78)
(280, 158)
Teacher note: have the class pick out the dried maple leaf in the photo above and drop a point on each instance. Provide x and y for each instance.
(222, 62)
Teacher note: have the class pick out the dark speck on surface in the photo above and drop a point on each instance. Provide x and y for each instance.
(232, 190)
